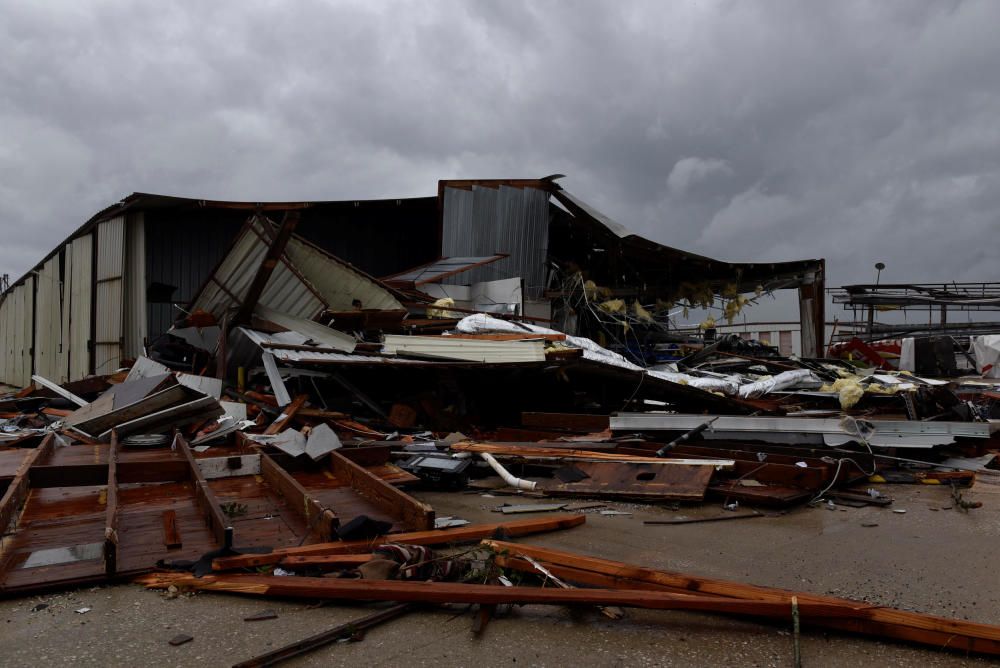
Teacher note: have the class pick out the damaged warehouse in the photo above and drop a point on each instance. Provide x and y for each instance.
(256, 398)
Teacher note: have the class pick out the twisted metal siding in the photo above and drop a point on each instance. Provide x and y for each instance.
(483, 221)
(109, 293)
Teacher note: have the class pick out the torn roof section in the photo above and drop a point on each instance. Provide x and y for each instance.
(304, 282)
(618, 255)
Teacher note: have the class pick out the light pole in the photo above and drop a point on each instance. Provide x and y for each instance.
(879, 266)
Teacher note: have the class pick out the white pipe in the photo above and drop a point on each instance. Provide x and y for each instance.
(506, 475)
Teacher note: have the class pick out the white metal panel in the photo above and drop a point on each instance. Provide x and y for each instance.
(17, 337)
(6, 340)
(109, 295)
(28, 324)
(135, 286)
(48, 320)
(318, 281)
(21, 332)
(339, 283)
(77, 334)
(64, 314)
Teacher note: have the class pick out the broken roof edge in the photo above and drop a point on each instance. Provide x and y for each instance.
(580, 209)
(801, 272)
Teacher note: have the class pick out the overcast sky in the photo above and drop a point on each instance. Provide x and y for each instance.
(855, 131)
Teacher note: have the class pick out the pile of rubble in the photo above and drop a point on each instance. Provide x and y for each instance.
(271, 444)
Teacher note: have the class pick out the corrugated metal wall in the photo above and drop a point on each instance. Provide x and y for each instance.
(483, 221)
(380, 238)
(182, 249)
(16, 315)
(135, 318)
(77, 313)
(109, 292)
(48, 320)
(7, 322)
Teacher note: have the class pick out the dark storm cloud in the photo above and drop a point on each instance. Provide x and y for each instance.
(744, 130)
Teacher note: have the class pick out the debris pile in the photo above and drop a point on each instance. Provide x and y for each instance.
(277, 440)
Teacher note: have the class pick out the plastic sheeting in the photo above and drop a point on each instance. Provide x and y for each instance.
(987, 352)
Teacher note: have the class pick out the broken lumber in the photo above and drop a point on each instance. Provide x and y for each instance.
(286, 416)
(465, 534)
(532, 451)
(853, 616)
(327, 561)
(445, 592)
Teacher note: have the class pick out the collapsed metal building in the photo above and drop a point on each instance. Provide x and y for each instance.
(122, 279)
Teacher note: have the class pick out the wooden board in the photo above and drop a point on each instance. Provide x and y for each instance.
(455, 536)
(854, 616)
(650, 482)
(413, 514)
(321, 520)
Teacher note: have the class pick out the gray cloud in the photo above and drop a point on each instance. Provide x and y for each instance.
(855, 131)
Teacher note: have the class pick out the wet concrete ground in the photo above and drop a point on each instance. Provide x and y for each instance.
(928, 559)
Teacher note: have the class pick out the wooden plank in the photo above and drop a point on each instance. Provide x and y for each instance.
(171, 534)
(413, 514)
(220, 526)
(111, 512)
(229, 467)
(286, 416)
(619, 480)
(446, 592)
(861, 618)
(322, 521)
(320, 413)
(17, 490)
(534, 451)
(457, 535)
(328, 561)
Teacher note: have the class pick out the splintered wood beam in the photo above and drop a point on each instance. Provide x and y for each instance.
(446, 592)
(322, 521)
(267, 265)
(217, 522)
(467, 534)
(860, 617)
(20, 486)
(111, 512)
(286, 416)
(413, 514)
